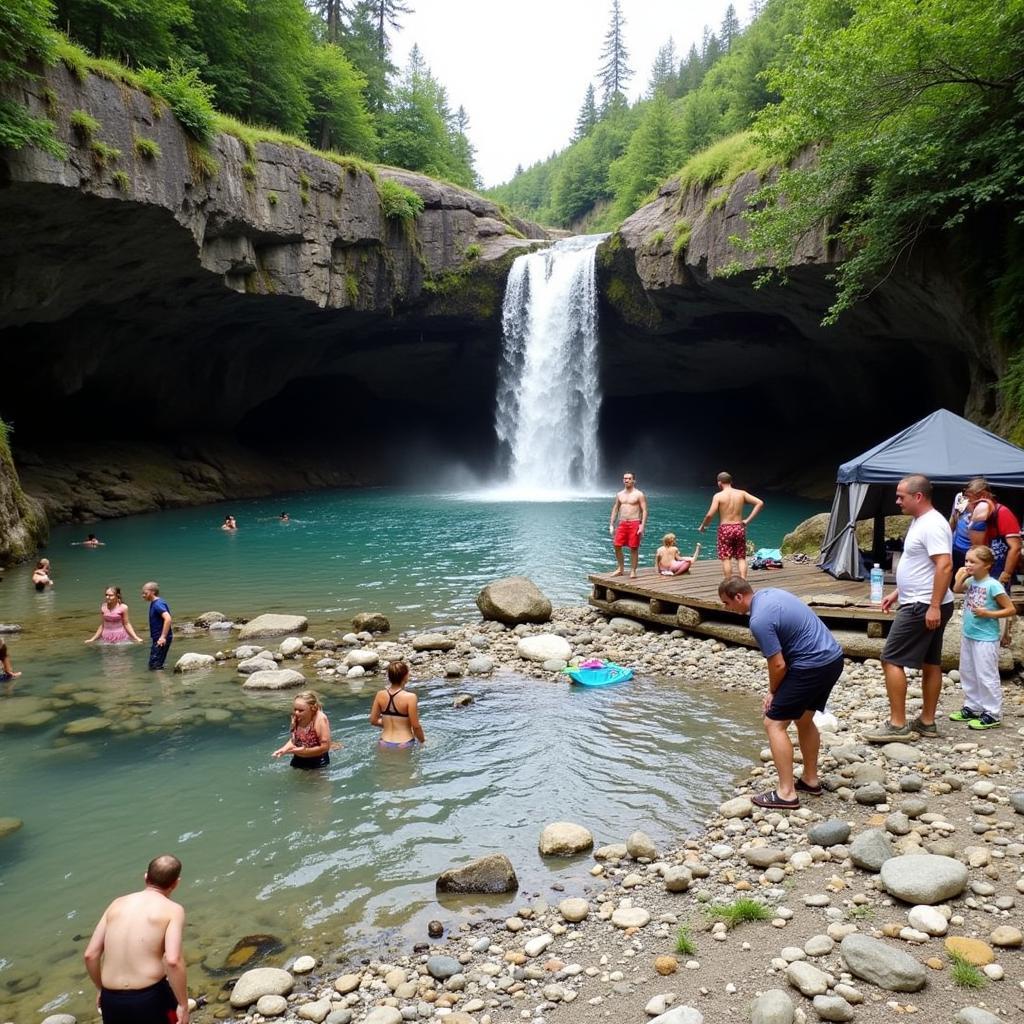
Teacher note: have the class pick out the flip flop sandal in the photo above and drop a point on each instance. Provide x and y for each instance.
(773, 800)
(804, 788)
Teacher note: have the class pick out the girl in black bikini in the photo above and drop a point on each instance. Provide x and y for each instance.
(396, 711)
(310, 738)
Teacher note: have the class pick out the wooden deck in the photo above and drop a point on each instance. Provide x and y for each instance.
(690, 602)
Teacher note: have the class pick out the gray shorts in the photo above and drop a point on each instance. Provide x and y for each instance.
(910, 643)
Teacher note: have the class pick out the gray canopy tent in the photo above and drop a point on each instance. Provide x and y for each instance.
(946, 448)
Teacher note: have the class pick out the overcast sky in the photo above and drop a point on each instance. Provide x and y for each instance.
(521, 67)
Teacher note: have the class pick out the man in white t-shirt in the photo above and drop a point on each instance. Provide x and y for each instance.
(925, 606)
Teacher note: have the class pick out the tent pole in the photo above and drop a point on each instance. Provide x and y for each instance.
(878, 543)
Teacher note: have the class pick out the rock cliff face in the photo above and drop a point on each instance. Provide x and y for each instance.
(724, 366)
(155, 293)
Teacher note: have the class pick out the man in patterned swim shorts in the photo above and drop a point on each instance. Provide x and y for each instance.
(728, 505)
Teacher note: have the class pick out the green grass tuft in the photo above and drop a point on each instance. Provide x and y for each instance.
(351, 288)
(202, 162)
(104, 154)
(121, 181)
(964, 974)
(739, 911)
(725, 161)
(682, 231)
(84, 123)
(472, 251)
(272, 198)
(148, 149)
(718, 202)
(399, 202)
(684, 941)
(860, 912)
(74, 58)
(51, 100)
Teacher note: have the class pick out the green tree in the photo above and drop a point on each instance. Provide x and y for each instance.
(729, 31)
(463, 151)
(665, 71)
(140, 32)
(339, 118)
(614, 72)
(386, 15)
(701, 120)
(710, 49)
(916, 114)
(588, 116)
(691, 71)
(359, 41)
(654, 151)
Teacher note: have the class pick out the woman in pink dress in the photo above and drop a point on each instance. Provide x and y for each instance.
(114, 627)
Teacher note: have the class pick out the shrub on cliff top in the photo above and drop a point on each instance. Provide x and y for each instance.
(724, 162)
(187, 95)
(399, 202)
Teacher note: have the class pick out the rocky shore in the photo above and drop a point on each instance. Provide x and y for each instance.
(851, 908)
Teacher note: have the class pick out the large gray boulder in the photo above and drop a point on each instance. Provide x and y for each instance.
(881, 964)
(513, 600)
(273, 625)
(923, 878)
(277, 679)
(260, 981)
(493, 873)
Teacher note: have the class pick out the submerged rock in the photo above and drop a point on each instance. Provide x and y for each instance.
(8, 826)
(274, 679)
(493, 873)
(371, 622)
(194, 662)
(247, 950)
(512, 601)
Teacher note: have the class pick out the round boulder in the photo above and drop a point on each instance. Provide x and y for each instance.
(194, 662)
(923, 878)
(362, 657)
(545, 647)
(564, 839)
(371, 622)
(260, 981)
(8, 826)
(512, 601)
(279, 679)
(493, 873)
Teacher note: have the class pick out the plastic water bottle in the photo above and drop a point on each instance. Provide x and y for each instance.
(877, 584)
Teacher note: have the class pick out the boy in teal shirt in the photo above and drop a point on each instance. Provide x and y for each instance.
(985, 603)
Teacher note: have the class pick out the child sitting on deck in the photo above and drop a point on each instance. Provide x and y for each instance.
(668, 561)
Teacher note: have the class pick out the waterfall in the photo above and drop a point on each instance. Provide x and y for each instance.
(548, 387)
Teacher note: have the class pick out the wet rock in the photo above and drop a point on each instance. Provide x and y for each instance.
(772, 1007)
(923, 878)
(512, 601)
(290, 646)
(9, 628)
(274, 679)
(365, 659)
(82, 726)
(544, 647)
(493, 873)
(871, 849)
(261, 981)
(262, 662)
(828, 833)
(194, 662)
(247, 950)
(740, 807)
(206, 619)
(435, 929)
(303, 965)
(371, 622)
(462, 700)
(273, 625)
(554, 665)
(8, 826)
(564, 839)
(881, 964)
(60, 1018)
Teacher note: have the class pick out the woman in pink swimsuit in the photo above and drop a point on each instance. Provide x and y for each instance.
(114, 627)
(310, 740)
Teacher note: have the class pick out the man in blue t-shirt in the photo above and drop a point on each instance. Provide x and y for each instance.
(160, 632)
(804, 663)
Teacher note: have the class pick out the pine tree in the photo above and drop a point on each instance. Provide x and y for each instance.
(387, 14)
(710, 50)
(691, 72)
(664, 72)
(729, 31)
(359, 41)
(614, 71)
(588, 115)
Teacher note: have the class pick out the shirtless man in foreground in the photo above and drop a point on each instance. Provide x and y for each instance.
(728, 503)
(134, 956)
(631, 507)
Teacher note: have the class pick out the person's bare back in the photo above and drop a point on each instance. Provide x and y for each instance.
(135, 955)
(729, 504)
(136, 929)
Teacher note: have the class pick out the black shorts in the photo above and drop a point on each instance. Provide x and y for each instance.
(154, 1004)
(308, 763)
(804, 689)
(910, 643)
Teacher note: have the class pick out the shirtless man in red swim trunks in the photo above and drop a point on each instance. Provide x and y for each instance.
(631, 507)
(728, 503)
(134, 956)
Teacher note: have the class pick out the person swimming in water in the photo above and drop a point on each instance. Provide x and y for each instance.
(310, 740)
(91, 541)
(395, 711)
(668, 561)
(7, 673)
(229, 523)
(284, 518)
(41, 575)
